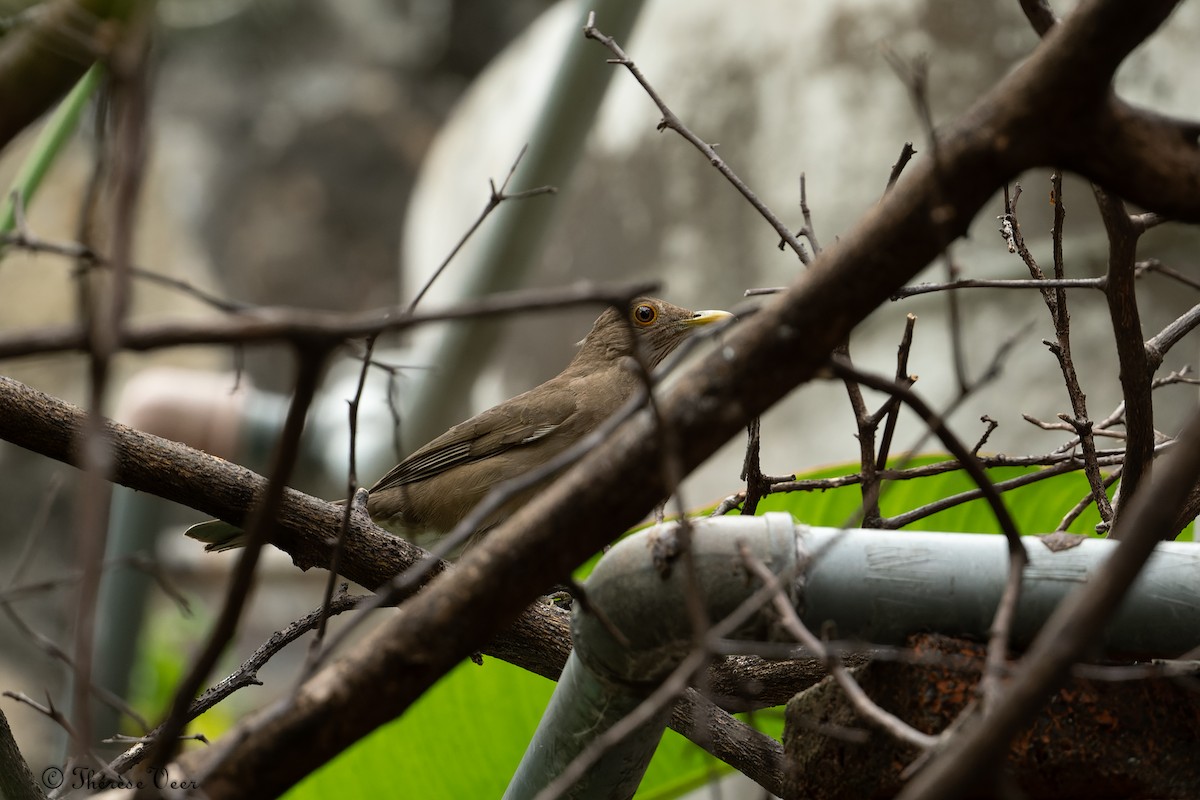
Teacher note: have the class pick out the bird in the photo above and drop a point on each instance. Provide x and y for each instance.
(433, 489)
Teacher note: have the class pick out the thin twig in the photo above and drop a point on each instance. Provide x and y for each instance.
(50, 648)
(1006, 610)
(335, 559)
(1082, 505)
(991, 426)
(906, 154)
(496, 197)
(60, 719)
(246, 674)
(891, 408)
(1160, 344)
(670, 120)
(1154, 265)
(1069, 463)
(303, 326)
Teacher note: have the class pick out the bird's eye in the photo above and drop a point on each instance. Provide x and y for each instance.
(645, 314)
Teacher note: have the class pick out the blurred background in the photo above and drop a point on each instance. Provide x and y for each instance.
(329, 154)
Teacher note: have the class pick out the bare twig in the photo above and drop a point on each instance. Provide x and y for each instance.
(1154, 265)
(50, 648)
(757, 484)
(24, 239)
(302, 326)
(991, 426)
(1123, 232)
(496, 197)
(60, 719)
(1069, 463)
(1006, 610)
(1082, 505)
(1056, 302)
(670, 120)
(1159, 344)
(245, 675)
(891, 408)
(906, 154)
(807, 231)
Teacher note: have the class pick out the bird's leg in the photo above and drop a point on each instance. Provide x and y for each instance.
(563, 595)
(578, 595)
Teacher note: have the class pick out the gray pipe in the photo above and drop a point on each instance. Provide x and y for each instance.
(879, 586)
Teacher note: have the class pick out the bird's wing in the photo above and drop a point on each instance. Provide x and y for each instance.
(521, 421)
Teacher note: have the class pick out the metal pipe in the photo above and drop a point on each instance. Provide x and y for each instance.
(604, 679)
(879, 586)
(883, 586)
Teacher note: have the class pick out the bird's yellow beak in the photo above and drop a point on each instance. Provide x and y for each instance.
(708, 317)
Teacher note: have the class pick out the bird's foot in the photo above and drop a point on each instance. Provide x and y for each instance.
(561, 597)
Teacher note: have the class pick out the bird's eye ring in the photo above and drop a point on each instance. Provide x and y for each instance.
(645, 314)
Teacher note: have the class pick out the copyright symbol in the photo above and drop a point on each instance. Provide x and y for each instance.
(52, 777)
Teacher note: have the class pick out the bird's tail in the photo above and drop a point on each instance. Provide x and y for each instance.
(217, 535)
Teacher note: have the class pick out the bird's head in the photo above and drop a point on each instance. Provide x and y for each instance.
(658, 327)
